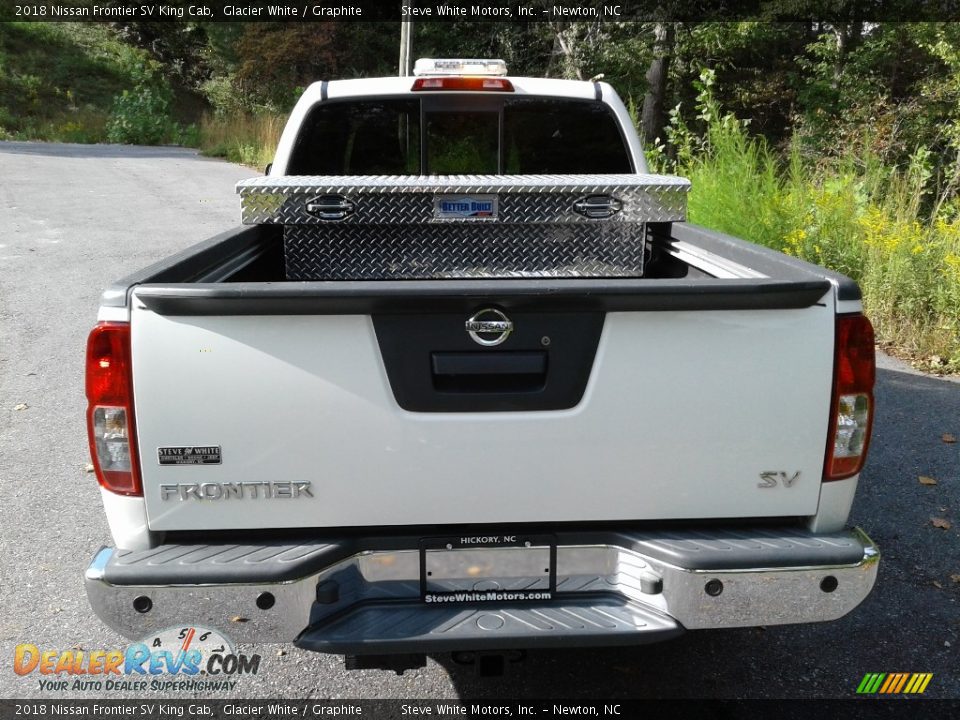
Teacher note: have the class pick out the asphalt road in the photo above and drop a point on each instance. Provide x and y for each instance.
(73, 218)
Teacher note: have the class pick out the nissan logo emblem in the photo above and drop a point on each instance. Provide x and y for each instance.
(489, 327)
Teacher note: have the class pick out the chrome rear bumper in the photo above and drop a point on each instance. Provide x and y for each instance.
(610, 588)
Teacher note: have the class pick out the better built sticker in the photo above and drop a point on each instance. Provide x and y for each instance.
(465, 207)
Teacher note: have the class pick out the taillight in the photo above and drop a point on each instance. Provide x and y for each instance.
(110, 409)
(852, 407)
(472, 84)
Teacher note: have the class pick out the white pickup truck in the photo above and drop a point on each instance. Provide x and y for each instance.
(468, 382)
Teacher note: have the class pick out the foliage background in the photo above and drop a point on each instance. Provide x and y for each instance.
(837, 143)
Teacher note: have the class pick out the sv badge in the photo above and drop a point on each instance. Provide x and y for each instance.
(771, 478)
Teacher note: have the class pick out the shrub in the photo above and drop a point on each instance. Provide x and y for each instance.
(885, 227)
(143, 115)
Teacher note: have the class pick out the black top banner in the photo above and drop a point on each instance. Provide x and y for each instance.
(479, 11)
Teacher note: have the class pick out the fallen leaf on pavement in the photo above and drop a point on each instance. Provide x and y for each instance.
(937, 585)
(948, 438)
(940, 523)
(924, 480)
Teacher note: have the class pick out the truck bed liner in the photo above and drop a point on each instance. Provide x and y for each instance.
(241, 272)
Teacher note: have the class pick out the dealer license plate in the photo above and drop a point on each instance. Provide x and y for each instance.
(488, 568)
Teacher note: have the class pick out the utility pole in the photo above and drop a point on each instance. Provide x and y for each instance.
(406, 39)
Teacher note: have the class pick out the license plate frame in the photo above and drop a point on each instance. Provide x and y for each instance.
(488, 568)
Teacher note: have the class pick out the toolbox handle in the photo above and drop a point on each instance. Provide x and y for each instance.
(598, 206)
(330, 207)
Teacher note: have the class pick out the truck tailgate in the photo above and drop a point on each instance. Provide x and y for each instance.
(682, 413)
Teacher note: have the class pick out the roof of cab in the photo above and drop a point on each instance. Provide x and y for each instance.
(403, 85)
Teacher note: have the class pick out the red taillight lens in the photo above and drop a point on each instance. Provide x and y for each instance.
(852, 407)
(110, 409)
(472, 84)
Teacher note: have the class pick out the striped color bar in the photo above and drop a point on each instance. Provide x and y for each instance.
(894, 683)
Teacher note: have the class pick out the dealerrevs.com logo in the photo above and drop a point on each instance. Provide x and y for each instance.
(176, 659)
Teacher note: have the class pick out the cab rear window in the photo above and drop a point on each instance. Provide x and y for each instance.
(562, 137)
(517, 136)
(364, 137)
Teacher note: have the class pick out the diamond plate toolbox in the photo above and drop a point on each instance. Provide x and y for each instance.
(461, 226)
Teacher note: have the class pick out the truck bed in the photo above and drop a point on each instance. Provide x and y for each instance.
(692, 268)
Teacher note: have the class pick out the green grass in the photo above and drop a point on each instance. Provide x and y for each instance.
(245, 139)
(884, 227)
(58, 80)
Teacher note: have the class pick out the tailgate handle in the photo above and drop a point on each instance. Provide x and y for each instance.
(330, 207)
(598, 206)
(493, 372)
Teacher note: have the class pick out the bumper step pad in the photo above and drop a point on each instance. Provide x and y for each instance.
(564, 623)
